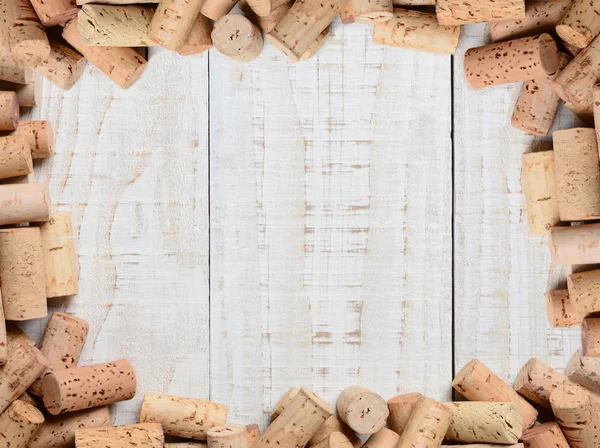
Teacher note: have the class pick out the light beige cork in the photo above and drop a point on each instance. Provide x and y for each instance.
(198, 40)
(123, 66)
(301, 26)
(215, 9)
(426, 426)
(24, 203)
(12, 70)
(346, 12)
(253, 434)
(23, 366)
(362, 410)
(266, 23)
(298, 422)
(18, 424)
(583, 370)
(581, 23)
(115, 26)
(88, 387)
(184, 417)
(590, 336)
(459, 12)
(54, 12)
(511, 61)
(541, 16)
(186, 445)
(596, 109)
(237, 37)
(400, 408)
(3, 337)
(22, 282)
(26, 398)
(478, 383)
(143, 435)
(28, 40)
(263, 8)
(575, 83)
(116, 2)
(15, 157)
(339, 440)
(27, 94)
(228, 436)
(285, 399)
(63, 67)
(372, 11)
(418, 31)
(536, 381)
(583, 291)
(486, 445)
(15, 336)
(544, 436)
(317, 44)
(576, 414)
(60, 257)
(384, 438)
(173, 21)
(485, 422)
(414, 2)
(9, 111)
(575, 245)
(539, 188)
(331, 425)
(39, 136)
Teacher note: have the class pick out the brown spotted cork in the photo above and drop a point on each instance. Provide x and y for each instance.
(228, 436)
(20, 421)
(544, 436)
(460, 12)
(63, 67)
(15, 157)
(427, 425)
(581, 24)
(561, 310)
(143, 435)
(27, 37)
(237, 37)
(362, 410)
(9, 111)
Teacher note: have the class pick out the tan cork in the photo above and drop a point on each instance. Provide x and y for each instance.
(426, 426)
(198, 40)
(15, 336)
(476, 382)
(400, 408)
(183, 417)
(26, 398)
(253, 434)
(485, 422)
(122, 65)
(3, 337)
(15, 157)
(346, 12)
(143, 435)
(54, 12)
(27, 94)
(362, 410)
(486, 445)
(215, 9)
(536, 381)
(63, 67)
(88, 387)
(576, 414)
(544, 436)
(384, 438)
(24, 203)
(575, 83)
(28, 40)
(173, 21)
(263, 8)
(9, 111)
(266, 23)
(116, 2)
(459, 12)
(583, 290)
(237, 37)
(12, 70)
(339, 440)
(115, 26)
(314, 48)
(414, 2)
(590, 336)
(372, 11)
(39, 136)
(596, 110)
(228, 436)
(331, 425)
(583, 370)
(575, 245)
(539, 188)
(186, 445)
(18, 424)
(581, 23)
(285, 399)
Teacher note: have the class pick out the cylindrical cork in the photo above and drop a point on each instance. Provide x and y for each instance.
(15, 157)
(61, 344)
(590, 336)
(185, 445)
(575, 83)
(536, 380)
(581, 23)
(3, 337)
(539, 188)
(263, 8)
(331, 425)
(23, 366)
(88, 387)
(184, 417)
(18, 424)
(54, 12)
(9, 111)
(414, 2)
(39, 136)
(122, 65)
(146, 435)
(583, 370)
(116, 2)
(215, 9)
(285, 399)
(115, 26)
(198, 39)
(28, 41)
(228, 436)
(253, 434)
(24, 203)
(544, 436)
(15, 336)
(596, 109)
(417, 30)
(339, 440)
(346, 12)
(384, 438)
(372, 11)
(301, 26)
(298, 422)
(22, 282)
(583, 291)
(26, 398)
(427, 425)
(27, 94)
(238, 38)
(576, 415)
(478, 383)
(266, 23)
(400, 408)
(541, 16)
(459, 12)
(60, 257)
(575, 245)
(59, 432)
(362, 410)
(173, 21)
(63, 67)
(485, 422)
(512, 61)
(12, 70)
(317, 44)
(486, 445)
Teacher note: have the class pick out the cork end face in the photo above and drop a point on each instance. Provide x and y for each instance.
(32, 52)
(532, 433)
(569, 397)
(373, 408)
(464, 373)
(523, 376)
(226, 431)
(282, 47)
(575, 37)
(51, 394)
(137, 73)
(27, 412)
(374, 17)
(549, 54)
(261, 8)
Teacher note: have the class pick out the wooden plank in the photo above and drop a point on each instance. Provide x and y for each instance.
(501, 273)
(330, 223)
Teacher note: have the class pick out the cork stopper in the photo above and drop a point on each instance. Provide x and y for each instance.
(372, 11)
(575, 413)
(54, 12)
(115, 26)
(266, 23)
(590, 335)
(12, 70)
(539, 188)
(253, 434)
(583, 290)
(459, 12)
(576, 82)
(146, 435)
(317, 44)
(545, 435)
(28, 41)
(173, 21)
(427, 425)
(580, 25)
(27, 94)
(575, 245)
(15, 336)
(331, 425)
(24, 203)
(15, 157)
(283, 402)
(18, 424)
(384, 438)
(339, 440)
(228, 436)
(263, 8)
(485, 422)
(583, 370)
(63, 67)
(400, 408)
(362, 410)
(536, 381)
(236, 37)
(9, 111)
(198, 40)
(39, 137)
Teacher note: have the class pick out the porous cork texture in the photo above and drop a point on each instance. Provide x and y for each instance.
(362, 410)
(27, 94)
(372, 11)
(331, 425)
(228, 436)
(54, 12)
(400, 408)
(561, 310)
(339, 440)
(39, 137)
(116, 26)
(146, 435)
(427, 425)
(317, 44)
(12, 70)
(9, 111)
(459, 12)
(539, 187)
(575, 83)
(238, 38)
(28, 41)
(15, 157)
(536, 381)
(484, 422)
(583, 370)
(24, 203)
(581, 23)
(544, 436)
(263, 8)
(266, 23)
(583, 290)
(198, 39)
(576, 415)
(384, 438)
(575, 245)
(18, 423)
(590, 335)
(63, 67)
(172, 22)
(285, 399)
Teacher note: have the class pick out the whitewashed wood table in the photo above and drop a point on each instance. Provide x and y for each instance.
(353, 219)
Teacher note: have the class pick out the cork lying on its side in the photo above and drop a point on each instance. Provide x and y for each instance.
(575, 83)
(39, 136)
(15, 157)
(536, 381)
(583, 291)
(268, 22)
(590, 335)
(539, 188)
(459, 12)
(24, 203)
(18, 424)
(198, 40)
(561, 311)
(575, 245)
(228, 436)
(54, 12)
(331, 425)
(400, 408)
(146, 435)
(285, 399)
(581, 23)
(63, 67)
(28, 40)
(263, 8)
(576, 414)
(583, 370)
(384, 438)
(12, 70)
(27, 94)
(372, 11)
(9, 111)
(173, 21)
(362, 410)
(544, 436)
(116, 26)
(427, 425)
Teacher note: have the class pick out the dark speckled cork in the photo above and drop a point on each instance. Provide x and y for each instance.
(575, 84)
(143, 435)
(459, 12)
(88, 387)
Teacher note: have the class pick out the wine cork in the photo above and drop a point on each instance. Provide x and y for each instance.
(24, 203)
(285, 399)
(12, 70)
(185, 445)
(15, 157)
(583, 291)
(15, 336)
(427, 425)
(123, 66)
(590, 335)
(362, 410)
(486, 445)
(228, 436)
(263, 8)
(9, 111)
(400, 408)
(115, 26)
(215, 9)
(317, 44)
(198, 40)
(3, 337)
(27, 94)
(575, 83)
(88, 387)
(26, 398)
(253, 434)
(39, 136)
(384, 438)
(414, 2)
(372, 11)
(576, 415)
(173, 21)
(581, 23)
(60, 257)
(301, 26)
(539, 188)
(59, 432)
(346, 12)
(536, 380)
(541, 16)
(417, 30)
(117, 2)
(54, 12)
(236, 37)
(583, 370)
(184, 417)
(575, 245)
(511, 61)
(63, 67)
(146, 435)
(298, 422)
(23, 366)
(478, 383)
(331, 425)
(459, 12)
(18, 424)
(22, 283)
(266, 23)
(596, 110)
(28, 41)
(544, 436)
(339, 440)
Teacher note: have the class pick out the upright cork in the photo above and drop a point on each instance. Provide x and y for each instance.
(512, 61)
(581, 23)
(583, 291)
(63, 67)
(263, 8)
(54, 12)
(400, 408)
(88, 387)
(228, 436)
(27, 94)
(198, 39)
(266, 23)
(60, 257)
(583, 370)
(146, 435)
(536, 381)
(339, 440)
(28, 41)
(298, 422)
(427, 425)
(590, 335)
(183, 417)
(285, 399)
(59, 432)
(372, 11)
(539, 188)
(39, 136)
(238, 38)
(253, 434)
(459, 12)
(331, 425)
(384, 438)
(485, 422)
(544, 436)
(24, 203)
(123, 66)
(478, 383)
(22, 282)
(15, 157)
(173, 21)
(362, 410)
(115, 26)
(18, 424)
(9, 111)
(576, 415)
(12, 70)
(575, 83)
(417, 30)
(575, 245)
